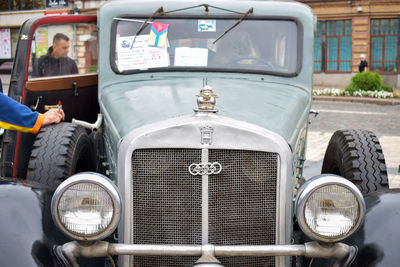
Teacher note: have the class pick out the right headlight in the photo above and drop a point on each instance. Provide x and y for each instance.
(86, 206)
(329, 208)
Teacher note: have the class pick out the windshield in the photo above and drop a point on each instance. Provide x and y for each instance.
(264, 46)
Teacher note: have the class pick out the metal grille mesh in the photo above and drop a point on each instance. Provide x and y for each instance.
(242, 204)
(167, 202)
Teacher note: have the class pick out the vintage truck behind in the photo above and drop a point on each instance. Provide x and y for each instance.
(184, 145)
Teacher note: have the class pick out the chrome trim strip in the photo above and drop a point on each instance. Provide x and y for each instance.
(204, 200)
(282, 216)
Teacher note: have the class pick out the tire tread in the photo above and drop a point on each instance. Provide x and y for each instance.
(51, 158)
(360, 159)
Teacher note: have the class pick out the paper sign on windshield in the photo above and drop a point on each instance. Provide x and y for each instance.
(140, 56)
(158, 34)
(195, 57)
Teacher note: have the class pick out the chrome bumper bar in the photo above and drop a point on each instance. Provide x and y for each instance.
(339, 251)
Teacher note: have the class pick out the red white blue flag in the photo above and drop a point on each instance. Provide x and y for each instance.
(158, 34)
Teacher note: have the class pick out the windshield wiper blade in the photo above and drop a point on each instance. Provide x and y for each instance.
(144, 24)
(234, 25)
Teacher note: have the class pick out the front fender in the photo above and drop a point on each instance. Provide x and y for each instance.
(379, 237)
(27, 232)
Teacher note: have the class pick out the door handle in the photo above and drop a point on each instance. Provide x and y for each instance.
(75, 88)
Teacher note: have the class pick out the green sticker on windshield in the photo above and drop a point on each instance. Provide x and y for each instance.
(206, 25)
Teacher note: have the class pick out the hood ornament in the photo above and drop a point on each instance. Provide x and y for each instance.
(206, 100)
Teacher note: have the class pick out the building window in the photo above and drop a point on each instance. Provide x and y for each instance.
(318, 48)
(338, 46)
(332, 46)
(384, 44)
(13, 5)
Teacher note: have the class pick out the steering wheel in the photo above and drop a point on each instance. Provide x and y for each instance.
(259, 60)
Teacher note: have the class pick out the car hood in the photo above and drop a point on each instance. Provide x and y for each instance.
(280, 108)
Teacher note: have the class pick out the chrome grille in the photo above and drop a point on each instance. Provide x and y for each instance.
(242, 204)
(167, 202)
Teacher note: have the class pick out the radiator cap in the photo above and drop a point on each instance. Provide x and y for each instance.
(206, 100)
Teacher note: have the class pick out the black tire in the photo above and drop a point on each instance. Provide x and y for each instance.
(59, 151)
(357, 156)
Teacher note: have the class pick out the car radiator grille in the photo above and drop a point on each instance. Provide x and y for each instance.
(167, 202)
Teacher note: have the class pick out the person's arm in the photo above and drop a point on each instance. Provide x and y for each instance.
(366, 66)
(15, 116)
(53, 116)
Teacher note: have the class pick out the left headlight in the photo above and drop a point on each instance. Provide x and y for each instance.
(329, 208)
(86, 206)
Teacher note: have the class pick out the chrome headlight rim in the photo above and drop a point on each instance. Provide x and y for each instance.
(99, 180)
(316, 183)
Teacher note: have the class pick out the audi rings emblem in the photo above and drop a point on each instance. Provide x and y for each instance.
(205, 168)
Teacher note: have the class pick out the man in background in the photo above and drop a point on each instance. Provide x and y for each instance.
(56, 61)
(363, 66)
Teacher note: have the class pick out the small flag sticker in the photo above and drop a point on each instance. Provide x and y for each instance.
(158, 34)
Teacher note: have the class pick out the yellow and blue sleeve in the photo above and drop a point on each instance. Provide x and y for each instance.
(15, 116)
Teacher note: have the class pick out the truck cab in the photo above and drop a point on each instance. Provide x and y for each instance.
(184, 140)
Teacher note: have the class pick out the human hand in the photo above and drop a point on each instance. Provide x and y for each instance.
(53, 116)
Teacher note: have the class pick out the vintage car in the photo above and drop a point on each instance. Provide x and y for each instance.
(184, 145)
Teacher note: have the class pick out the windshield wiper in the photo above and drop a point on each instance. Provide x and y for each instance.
(160, 10)
(144, 24)
(234, 25)
(206, 9)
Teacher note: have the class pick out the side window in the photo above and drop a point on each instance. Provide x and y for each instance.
(66, 49)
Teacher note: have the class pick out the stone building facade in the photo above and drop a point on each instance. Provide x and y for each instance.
(345, 30)
(86, 58)
(369, 27)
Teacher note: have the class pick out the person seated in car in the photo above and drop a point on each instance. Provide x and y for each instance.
(236, 48)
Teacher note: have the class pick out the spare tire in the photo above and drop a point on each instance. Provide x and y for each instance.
(357, 156)
(59, 151)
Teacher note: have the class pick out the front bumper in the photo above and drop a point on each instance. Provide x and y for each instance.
(342, 253)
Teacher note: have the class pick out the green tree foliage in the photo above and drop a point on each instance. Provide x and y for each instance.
(367, 81)
(387, 88)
